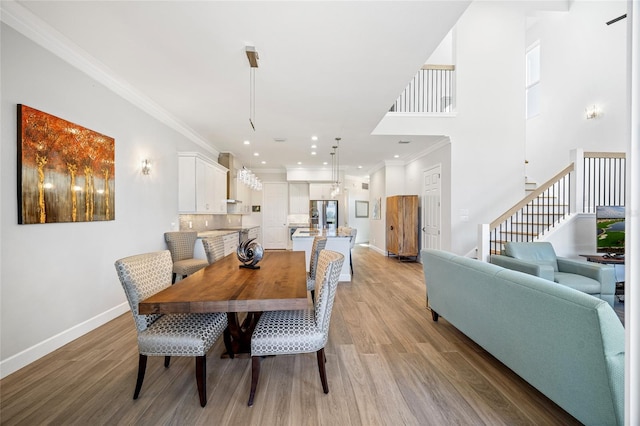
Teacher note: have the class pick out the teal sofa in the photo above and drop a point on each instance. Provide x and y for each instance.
(567, 344)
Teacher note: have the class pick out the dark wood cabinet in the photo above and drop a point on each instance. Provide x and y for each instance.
(402, 225)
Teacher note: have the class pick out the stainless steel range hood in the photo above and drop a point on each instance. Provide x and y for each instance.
(229, 161)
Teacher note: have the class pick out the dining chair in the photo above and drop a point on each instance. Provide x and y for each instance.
(300, 331)
(144, 275)
(354, 233)
(213, 248)
(319, 243)
(181, 245)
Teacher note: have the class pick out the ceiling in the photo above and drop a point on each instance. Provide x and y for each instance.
(329, 69)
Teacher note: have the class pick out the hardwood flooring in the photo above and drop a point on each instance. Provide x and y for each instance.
(388, 363)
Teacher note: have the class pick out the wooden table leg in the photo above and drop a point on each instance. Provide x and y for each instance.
(241, 333)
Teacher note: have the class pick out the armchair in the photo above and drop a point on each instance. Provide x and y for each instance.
(539, 259)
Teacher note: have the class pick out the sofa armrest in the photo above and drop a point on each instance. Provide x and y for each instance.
(604, 274)
(542, 271)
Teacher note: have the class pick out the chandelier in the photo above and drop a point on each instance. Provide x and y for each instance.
(335, 169)
(249, 179)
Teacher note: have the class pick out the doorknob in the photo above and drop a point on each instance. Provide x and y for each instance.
(424, 230)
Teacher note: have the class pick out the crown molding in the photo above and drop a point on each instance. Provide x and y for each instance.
(41, 33)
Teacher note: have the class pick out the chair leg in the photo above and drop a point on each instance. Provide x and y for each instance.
(323, 370)
(255, 373)
(167, 360)
(351, 263)
(173, 278)
(313, 296)
(142, 367)
(201, 378)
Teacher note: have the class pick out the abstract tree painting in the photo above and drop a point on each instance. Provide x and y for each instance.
(66, 173)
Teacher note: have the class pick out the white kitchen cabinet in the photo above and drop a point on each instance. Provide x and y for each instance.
(230, 242)
(319, 191)
(202, 185)
(254, 234)
(299, 198)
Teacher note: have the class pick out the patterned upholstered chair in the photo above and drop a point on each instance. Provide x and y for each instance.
(142, 276)
(181, 245)
(303, 331)
(319, 243)
(213, 248)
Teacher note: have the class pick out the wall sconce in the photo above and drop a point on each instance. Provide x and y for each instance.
(592, 112)
(146, 167)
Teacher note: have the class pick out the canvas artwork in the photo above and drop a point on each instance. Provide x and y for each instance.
(66, 173)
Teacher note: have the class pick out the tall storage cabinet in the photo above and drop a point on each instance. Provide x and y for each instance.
(402, 225)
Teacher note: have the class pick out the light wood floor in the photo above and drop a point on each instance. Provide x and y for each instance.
(388, 363)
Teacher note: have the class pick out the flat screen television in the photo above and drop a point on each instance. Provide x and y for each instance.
(610, 229)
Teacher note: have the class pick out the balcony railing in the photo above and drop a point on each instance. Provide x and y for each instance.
(430, 91)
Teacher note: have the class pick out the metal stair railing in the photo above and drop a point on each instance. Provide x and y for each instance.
(599, 178)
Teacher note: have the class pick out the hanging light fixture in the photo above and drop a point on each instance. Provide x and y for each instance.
(335, 169)
(252, 56)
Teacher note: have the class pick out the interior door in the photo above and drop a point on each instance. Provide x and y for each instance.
(275, 203)
(431, 208)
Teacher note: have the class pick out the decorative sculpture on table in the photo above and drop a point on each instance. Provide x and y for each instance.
(250, 253)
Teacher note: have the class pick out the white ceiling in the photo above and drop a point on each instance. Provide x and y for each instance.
(330, 69)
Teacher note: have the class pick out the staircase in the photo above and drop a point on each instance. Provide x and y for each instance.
(592, 179)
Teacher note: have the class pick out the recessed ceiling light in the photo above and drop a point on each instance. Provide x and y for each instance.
(324, 163)
(256, 154)
(313, 153)
(247, 142)
(299, 162)
(314, 146)
(396, 156)
(314, 138)
(263, 162)
(359, 167)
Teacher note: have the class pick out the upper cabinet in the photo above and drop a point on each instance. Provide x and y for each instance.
(202, 185)
(320, 191)
(298, 198)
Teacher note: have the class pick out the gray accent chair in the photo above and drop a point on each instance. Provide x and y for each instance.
(539, 259)
(300, 331)
(193, 335)
(213, 248)
(319, 243)
(181, 244)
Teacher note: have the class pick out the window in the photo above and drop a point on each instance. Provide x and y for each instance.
(533, 80)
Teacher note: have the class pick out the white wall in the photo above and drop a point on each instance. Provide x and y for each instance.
(583, 62)
(58, 280)
(488, 131)
(354, 192)
(377, 229)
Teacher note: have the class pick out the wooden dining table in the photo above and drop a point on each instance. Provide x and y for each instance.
(223, 286)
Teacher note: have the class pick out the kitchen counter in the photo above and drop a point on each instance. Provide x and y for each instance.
(303, 241)
(311, 233)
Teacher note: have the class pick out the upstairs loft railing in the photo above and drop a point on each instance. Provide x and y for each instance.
(592, 179)
(430, 91)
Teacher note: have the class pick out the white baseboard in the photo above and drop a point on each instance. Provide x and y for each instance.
(37, 351)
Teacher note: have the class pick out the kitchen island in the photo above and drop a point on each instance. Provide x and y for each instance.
(303, 240)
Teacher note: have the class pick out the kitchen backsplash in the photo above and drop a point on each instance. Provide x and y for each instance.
(208, 222)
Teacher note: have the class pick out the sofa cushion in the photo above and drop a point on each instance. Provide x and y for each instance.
(539, 253)
(578, 282)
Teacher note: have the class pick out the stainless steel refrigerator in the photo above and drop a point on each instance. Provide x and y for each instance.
(323, 214)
